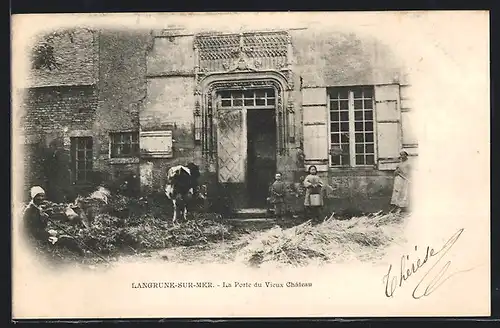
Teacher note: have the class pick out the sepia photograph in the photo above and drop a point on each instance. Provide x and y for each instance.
(268, 160)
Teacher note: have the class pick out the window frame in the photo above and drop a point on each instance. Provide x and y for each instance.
(112, 134)
(352, 132)
(74, 159)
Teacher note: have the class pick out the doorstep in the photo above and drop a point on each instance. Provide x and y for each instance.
(252, 213)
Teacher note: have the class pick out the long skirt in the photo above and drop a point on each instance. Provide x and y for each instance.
(400, 193)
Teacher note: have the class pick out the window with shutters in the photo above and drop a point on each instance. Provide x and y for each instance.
(351, 128)
(124, 144)
(81, 158)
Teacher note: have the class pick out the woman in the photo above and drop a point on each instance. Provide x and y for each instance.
(314, 192)
(36, 224)
(34, 218)
(400, 193)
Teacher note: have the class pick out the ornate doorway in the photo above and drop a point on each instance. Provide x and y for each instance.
(245, 132)
(246, 149)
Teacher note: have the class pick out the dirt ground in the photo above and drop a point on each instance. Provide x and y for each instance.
(339, 241)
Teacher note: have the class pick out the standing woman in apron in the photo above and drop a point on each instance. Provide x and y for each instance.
(313, 201)
(400, 194)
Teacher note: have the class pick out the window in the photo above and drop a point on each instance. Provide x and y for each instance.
(251, 98)
(81, 157)
(124, 144)
(351, 127)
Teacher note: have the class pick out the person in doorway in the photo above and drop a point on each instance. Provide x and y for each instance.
(400, 193)
(313, 201)
(277, 194)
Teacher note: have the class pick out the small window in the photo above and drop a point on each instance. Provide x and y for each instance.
(124, 144)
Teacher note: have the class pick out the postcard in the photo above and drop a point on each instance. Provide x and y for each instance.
(285, 164)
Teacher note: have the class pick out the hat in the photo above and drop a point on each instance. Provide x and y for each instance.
(36, 190)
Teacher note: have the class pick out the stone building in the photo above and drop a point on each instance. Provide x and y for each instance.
(240, 105)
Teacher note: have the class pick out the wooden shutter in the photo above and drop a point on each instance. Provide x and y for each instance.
(315, 120)
(388, 118)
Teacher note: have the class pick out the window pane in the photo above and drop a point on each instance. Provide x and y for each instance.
(344, 116)
(80, 155)
(226, 103)
(135, 148)
(359, 137)
(343, 93)
(344, 127)
(260, 102)
(334, 105)
(358, 126)
(344, 137)
(88, 165)
(345, 148)
(260, 93)
(249, 102)
(368, 93)
(81, 143)
(135, 137)
(358, 104)
(370, 149)
(368, 126)
(368, 104)
(344, 104)
(126, 149)
(334, 116)
(369, 137)
(345, 160)
(270, 92)
(225, 94)
(358, 115)
(335, 127)
(370, 159)
(237, 102)
(114, 150)
(335, 138)
(358, 93)
(368, 115)
(248, 94)
(237, 94)
(360, 159)
(270, 101)
(336, 160)
(359, 148)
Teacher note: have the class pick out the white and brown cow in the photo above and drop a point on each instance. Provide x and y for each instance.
(182, 188)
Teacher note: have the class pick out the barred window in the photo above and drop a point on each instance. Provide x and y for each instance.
(351, 126)
(124, 144)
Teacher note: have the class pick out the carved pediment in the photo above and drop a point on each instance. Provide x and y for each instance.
(242, 52)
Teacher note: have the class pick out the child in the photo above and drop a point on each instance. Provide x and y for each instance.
(299, 193)
(277, 193)
(314, 186)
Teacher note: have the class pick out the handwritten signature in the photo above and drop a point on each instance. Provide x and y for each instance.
(432, 279)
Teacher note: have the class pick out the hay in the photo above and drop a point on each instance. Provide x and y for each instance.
(360, 238)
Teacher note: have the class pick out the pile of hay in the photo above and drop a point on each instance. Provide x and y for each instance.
(121, 224)
(361, 238)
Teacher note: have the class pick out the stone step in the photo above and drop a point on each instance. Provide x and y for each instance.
(252, 213)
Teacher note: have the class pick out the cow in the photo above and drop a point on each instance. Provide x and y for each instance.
(182, 188)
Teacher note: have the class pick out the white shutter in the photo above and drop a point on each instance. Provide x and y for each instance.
(315, 123)
(388, 118)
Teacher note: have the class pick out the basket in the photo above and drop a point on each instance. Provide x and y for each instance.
(315, 199)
